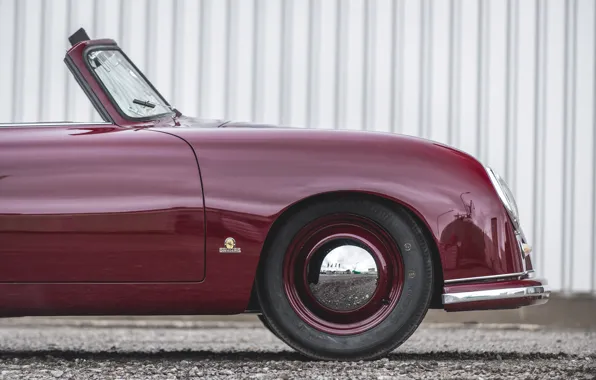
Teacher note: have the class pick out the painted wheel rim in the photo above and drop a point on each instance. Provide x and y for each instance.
(341, 229)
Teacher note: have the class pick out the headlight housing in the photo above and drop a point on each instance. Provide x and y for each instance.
(506, 196)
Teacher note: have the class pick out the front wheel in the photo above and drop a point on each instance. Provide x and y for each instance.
(348, 279)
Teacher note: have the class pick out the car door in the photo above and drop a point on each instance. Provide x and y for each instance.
(98, 203)
(108, 202)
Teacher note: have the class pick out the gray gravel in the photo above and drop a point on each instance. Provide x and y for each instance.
(160, 349)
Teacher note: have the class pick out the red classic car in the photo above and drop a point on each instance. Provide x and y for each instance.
(339, 240)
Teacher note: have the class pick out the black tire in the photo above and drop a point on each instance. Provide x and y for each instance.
(266, 324)
(401, 321)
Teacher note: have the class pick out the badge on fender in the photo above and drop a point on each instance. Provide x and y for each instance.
(229, 246)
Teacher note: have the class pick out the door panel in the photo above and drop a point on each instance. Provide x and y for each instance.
(99, 204)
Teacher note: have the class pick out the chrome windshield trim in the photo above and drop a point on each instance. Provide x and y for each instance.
(540, 292)
(517, 275)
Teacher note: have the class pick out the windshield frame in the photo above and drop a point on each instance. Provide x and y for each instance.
(123, 114)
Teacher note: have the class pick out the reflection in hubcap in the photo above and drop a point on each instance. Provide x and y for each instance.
(347, 276)
(342, 303)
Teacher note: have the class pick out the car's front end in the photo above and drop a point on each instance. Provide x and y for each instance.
(503, 291)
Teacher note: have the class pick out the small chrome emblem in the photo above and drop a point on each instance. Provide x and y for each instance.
(229, 246)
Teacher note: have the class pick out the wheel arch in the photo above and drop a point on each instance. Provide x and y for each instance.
(287, 213)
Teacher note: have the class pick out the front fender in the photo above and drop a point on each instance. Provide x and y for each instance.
(252, 175)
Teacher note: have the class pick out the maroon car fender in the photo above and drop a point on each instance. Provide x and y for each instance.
(252, 174)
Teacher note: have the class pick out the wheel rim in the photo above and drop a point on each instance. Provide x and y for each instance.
(317, 237)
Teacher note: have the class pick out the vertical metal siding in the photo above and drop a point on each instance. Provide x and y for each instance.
(511, 82)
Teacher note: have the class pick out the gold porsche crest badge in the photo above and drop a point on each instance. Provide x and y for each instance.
(229, 246)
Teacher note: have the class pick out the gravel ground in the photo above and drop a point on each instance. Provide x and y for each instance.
(160, 349)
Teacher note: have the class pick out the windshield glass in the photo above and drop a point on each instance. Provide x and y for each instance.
(126, 86)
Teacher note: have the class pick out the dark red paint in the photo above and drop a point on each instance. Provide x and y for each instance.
(128, 217)
(115, 205)
(279, 167)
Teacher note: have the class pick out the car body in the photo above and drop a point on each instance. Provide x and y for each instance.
(169, 214)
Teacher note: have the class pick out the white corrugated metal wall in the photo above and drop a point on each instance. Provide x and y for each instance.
(511, 82)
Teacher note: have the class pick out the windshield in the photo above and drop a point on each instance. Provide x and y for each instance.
(126, 86)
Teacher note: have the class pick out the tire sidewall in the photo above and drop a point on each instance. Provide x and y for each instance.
(407, 313)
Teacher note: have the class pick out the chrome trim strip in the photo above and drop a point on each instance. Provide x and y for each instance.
(493, 277)
(541, 293)
(53, 124)
(494, 179)
(520, 240)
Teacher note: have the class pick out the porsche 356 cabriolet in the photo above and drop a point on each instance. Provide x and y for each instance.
(339, 240)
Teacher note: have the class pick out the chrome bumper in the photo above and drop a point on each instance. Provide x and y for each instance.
(539, 294)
